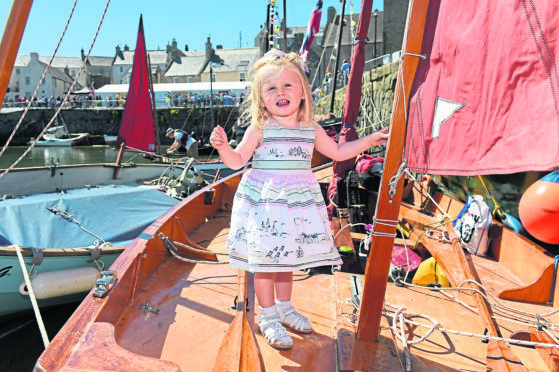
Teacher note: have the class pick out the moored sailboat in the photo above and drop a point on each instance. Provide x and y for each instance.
(170, 308)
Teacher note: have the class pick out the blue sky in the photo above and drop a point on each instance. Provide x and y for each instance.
(190, 22)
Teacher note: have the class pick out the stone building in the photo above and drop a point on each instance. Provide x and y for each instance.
(27, 73)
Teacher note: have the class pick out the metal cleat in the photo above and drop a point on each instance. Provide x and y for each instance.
(105, 283)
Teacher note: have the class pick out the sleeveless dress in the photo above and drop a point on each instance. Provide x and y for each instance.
(279, 221)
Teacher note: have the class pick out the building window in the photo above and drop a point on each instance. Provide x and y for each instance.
(73, 72)
(175, 79)
(18, 71)
(189, 79)
(242, 76)
(243, 63)
(27, 80)
(121, 69)
(213, 78)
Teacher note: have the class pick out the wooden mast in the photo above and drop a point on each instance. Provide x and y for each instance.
(154, 107)
(13, 32)
(378, 263)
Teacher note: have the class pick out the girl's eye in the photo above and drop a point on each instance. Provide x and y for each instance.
(271, 88)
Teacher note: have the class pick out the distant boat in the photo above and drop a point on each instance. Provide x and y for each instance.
(59, 136)
(110, 140)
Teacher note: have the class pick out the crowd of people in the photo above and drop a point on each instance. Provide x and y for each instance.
(119, 100)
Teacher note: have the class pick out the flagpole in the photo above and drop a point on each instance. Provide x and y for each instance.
(284, 25)
(335, 77)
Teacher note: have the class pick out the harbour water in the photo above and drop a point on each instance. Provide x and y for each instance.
(21, 343)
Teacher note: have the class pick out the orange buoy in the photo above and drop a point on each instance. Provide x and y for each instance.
(539, 209)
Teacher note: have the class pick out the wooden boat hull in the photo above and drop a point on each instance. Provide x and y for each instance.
(172, 312)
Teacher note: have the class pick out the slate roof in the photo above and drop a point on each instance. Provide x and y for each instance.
(232, 58)
(189, 65)
(157, 57)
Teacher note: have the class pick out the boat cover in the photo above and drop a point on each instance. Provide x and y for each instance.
(117, 214)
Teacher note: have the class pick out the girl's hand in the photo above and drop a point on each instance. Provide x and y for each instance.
(381, 137)
(218, 138)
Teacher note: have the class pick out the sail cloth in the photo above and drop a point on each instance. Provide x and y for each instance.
(312, 29)
(485, 100)
(136, 128)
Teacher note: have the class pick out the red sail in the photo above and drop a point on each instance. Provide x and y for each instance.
(485, 99)
(136, 127)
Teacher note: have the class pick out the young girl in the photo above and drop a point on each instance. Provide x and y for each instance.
(279, 222)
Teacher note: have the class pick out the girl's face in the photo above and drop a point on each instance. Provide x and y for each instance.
(281, 93)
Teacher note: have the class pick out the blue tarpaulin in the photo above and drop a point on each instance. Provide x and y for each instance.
(117, 214)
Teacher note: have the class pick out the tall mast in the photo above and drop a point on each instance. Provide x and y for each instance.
(335, 77)
(388, 207)
(154, 108)
(13, 32)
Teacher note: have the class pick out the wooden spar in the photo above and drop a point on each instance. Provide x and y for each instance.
(500, 357)
(378, 263)
(239, 350)
(13, 32)
(118, 161)
(153, 107)
(186, 169)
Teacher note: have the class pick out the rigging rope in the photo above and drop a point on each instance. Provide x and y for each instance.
(40, 82)
(70, 89)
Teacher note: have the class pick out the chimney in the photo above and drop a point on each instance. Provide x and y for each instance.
(186, 47)
(83, 54)
(117, 50)
(331, 14)
(126, 48)
(34, 56)
(67, 70)
(209, 49)
(219, 46)
(174, 43)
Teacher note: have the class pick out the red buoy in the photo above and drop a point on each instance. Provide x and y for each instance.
(539, 211)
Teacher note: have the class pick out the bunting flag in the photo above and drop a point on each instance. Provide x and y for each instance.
(312, 29)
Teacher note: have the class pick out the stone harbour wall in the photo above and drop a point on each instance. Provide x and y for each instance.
(106, 121)
(376, 102)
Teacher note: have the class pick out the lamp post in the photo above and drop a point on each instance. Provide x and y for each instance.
(375, 45)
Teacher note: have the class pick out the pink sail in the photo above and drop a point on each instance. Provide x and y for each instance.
(485, 98)
(136, 128)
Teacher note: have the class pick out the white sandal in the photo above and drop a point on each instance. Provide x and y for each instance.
(294, 320)
(275, 334)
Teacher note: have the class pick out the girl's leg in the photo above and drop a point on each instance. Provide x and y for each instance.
(284, 285)
(264, 288)
(269, 321)
(290, 317)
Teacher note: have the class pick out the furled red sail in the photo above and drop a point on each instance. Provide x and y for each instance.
(485, 100)
(136, 128)
(312, 29)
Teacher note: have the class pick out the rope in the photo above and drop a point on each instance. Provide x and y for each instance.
(72, 218)
(32, 297)
(173, 249)
(394, 180)
(65, 97)
(40, 82)
(498, 211)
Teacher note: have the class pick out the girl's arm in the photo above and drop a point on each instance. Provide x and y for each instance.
(238, 157)
(328, 147)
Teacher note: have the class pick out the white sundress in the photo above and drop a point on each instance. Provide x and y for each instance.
(279, 221)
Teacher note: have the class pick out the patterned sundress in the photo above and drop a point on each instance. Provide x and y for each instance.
(279, 221)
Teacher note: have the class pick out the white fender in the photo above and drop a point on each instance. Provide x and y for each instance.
(62, 282)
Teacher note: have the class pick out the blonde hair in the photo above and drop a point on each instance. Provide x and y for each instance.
(258, 114)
